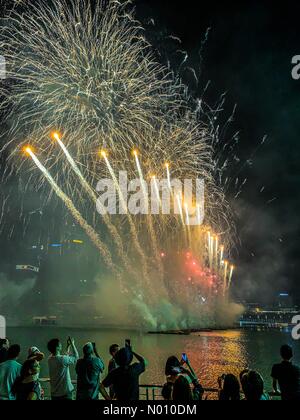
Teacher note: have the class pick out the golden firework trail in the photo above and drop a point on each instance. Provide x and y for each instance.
(130, 220)
(150, 227)
(86, 68)
(75, 213)
(225, 276)
(230, 276)
(95, 90)
(112, 229)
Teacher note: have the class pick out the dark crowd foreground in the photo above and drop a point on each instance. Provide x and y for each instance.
(21, 381)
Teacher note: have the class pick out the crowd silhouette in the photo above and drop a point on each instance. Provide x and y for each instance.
(122, 382)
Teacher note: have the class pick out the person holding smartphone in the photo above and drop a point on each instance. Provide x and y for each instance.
(89, 370)
(179, 379)
(197, 391)
(172, 372)
(59, 368)
(125, 378)
(113, 350)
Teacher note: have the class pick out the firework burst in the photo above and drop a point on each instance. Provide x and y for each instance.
(89, 73)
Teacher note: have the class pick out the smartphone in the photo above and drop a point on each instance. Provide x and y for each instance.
(127, 342)
(184, 357)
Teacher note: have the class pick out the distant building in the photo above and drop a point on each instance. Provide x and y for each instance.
(284, 301)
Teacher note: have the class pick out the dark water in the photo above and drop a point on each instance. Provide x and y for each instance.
(211, 353)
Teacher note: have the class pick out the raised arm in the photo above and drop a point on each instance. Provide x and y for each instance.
(141, 359)
(96, 351)
(191, 369)
(198, 390)
(72, 348)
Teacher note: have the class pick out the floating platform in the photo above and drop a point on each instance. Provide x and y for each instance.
(171, 332)
(194, 330)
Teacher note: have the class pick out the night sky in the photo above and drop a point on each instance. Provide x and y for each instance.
(245, 49)
(248, 54)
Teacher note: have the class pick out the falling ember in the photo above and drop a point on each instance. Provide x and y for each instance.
(180, 208)
(156, 188)
(211, 251)
(225, 275)
(217, 245)
(216, 251)
(140, 172)
(230, 276)
(187, 214)
(209, 238)
(198, 214)
(168, 175)
(221, 254)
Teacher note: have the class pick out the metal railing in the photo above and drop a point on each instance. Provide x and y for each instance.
(153, 392)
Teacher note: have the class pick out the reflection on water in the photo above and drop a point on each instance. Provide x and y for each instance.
(216, 353)
(211, 353)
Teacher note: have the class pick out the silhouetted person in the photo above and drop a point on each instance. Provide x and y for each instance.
(59, 369)
(35, 353)
(125, 378)
(253, 386)
(287, 376)
(27, 386)
(173, 369)
(229, 388)
(179, 380)
(181, 390)
(9, 372)
(89, 371)
(173, 366)
(113, 350)
(4, 346)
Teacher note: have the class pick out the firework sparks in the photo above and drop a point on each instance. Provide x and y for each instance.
(112, 229)
(225, 276)
(76, 214)
(221, 254)
(96, 91)
(98, 96)
(125, 210)
(230, 276)
(153, 237)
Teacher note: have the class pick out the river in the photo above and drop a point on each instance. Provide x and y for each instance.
(211, 353)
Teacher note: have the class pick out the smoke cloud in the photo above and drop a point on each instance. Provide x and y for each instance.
(11, 293)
